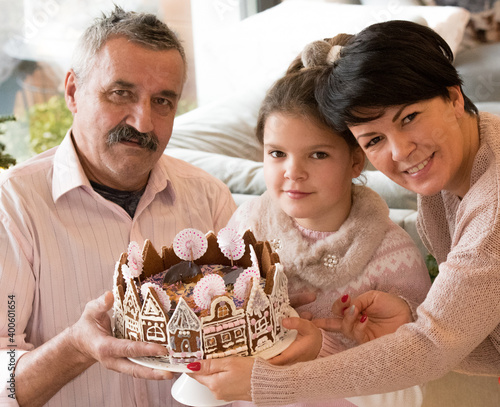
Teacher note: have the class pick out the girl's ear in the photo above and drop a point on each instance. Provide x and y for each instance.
(358, 161)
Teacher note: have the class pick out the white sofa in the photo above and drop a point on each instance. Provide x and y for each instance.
(239, 63)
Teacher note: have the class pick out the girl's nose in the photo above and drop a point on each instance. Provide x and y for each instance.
(295, 170)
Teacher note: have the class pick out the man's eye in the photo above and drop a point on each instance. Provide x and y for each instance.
(276, 154)
(120, 92)
(163, 102)
(319, 155)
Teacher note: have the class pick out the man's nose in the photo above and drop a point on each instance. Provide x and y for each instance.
(141, 117)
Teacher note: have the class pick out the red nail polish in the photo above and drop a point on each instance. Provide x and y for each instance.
(363, 318)
(194, 366)
(344, 298)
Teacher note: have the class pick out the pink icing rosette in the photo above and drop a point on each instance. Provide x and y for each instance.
(241, 284)
(207, 288)
(231, 244)
(190, 244)
(134, 257)
(162, 295)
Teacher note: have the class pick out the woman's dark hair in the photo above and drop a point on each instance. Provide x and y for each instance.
(293, 94)
(387, 64)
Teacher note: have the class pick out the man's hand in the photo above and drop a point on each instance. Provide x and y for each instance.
(91, 337)
(368, 316)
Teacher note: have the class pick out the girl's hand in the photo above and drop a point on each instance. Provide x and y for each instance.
(368, 316)
(228, 378)
(305, 347)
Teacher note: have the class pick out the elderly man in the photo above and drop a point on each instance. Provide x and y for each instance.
(67, 215)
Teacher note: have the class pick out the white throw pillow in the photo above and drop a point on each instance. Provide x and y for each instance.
(262, 46)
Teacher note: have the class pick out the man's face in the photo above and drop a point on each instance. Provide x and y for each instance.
(124, 111)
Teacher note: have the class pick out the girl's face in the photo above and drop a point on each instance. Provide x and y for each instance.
(308, 171)
(424, 147)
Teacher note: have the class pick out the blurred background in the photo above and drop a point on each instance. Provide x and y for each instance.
(36, 42)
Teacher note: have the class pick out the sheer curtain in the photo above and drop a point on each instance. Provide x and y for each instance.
(46, 30)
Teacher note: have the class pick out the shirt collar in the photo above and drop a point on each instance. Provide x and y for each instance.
(69, 173)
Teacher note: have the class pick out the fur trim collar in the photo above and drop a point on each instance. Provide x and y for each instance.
(331, 262)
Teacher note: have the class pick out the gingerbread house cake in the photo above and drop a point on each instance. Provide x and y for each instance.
(205, 296)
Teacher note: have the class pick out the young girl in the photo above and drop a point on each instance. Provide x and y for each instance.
(332, 237)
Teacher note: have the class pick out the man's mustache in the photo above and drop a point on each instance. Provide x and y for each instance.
(124, 132)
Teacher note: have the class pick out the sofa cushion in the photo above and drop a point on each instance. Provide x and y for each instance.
(225, 126)
(263, 45)
(478, 68)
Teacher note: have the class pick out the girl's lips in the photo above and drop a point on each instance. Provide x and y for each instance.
(297, 194)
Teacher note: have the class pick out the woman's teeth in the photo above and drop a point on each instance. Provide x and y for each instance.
(418, 167)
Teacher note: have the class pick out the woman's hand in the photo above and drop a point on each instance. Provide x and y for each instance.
(228, 378)
(368, 316)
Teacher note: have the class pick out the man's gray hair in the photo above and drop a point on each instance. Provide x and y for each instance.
(141, 28)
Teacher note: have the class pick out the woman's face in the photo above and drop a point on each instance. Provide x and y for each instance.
(424, 147)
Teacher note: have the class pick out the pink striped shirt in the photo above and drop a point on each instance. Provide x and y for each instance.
(59, 241)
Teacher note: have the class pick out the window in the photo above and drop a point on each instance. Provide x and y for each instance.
(36, 42)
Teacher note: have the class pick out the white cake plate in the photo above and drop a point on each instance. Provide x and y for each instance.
(188, 391)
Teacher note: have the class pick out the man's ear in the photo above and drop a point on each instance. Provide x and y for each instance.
(70, 87)
(358, 161)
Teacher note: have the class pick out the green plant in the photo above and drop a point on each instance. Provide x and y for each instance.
(432, 266)
(49, 123)
(6, 160)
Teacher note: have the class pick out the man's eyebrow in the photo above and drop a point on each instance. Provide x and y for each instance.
(123, 84)
(169, 94)
(166, 93)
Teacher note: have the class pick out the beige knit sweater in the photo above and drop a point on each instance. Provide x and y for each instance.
(458, 325)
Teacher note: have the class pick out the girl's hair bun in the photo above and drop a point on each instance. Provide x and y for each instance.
(315, 54)
(320, 53)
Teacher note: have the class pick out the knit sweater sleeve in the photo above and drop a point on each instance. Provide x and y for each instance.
(453, 322)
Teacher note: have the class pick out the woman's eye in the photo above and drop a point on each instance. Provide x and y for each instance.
(409, 118)
(373, 141)
(319, 155)
(277, 154)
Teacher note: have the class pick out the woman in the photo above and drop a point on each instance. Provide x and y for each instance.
(394, 88)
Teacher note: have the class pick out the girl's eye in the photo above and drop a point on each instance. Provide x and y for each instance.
(319, 155)
(409, 118)
(277, 154)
